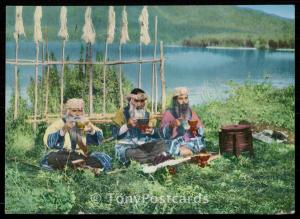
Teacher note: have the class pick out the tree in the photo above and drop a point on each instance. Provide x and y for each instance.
(273, 44)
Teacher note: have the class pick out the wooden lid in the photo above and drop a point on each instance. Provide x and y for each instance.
(235, 127)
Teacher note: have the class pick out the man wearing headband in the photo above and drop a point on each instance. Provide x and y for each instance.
(69, 138)
(137, 139)
(175, 127)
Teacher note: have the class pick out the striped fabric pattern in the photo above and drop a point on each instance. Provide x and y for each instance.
(120, 150)
(104, 159)
(55, 141)
(95, 139)
(194, 144)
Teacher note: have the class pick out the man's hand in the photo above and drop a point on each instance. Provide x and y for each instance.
(88, 127)
(68, 125)
(149, 131)
(132, 122)
(175, 123)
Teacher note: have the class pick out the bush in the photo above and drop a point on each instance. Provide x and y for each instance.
(256, 103)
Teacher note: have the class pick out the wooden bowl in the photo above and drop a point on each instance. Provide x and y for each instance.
(142, 124)
(172, 170)
(204, 157)
(201, 159)
(193, 123)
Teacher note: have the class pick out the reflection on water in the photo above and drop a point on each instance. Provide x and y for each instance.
(204, 71)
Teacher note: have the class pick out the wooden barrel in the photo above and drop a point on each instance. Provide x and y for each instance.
(236, 139)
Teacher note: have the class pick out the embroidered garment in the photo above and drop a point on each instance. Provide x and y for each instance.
(181, 135)
(56, 142)
(130, 137)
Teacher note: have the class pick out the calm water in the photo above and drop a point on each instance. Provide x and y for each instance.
(205, 71)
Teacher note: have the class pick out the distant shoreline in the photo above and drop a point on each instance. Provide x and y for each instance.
(224, 47)
(234, 48)
(248, 48)
(288, 50)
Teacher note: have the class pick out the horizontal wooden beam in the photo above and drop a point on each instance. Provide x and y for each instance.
(99, 118)
(95, 115)
(32, 62)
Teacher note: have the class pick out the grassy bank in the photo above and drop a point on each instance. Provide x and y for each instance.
(264, 184)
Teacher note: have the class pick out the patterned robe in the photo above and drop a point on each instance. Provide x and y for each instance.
(56, 142)
(131, 138)
(178, 136)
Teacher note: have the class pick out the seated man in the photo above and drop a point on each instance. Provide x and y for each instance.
(69, 137)
(175, 128)
(136, 138)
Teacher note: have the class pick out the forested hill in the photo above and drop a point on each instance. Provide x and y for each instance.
(176, 24)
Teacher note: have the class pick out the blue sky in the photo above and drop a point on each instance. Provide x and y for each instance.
(286, 11)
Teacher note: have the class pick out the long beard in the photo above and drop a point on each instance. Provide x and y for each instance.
(182, 110)
(136, 113)
(75, 133)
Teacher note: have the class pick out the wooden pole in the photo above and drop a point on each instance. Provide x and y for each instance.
(47, 80)
(36, 83)
(86, 57)
(62, 79)
(156, 90)
(104, 80)
(120, 77)
(154, 66)
(152, 89)
(85, 68)
(16, 80)
(43, 76)
(140, 71)
(91, 111)
(162, 78)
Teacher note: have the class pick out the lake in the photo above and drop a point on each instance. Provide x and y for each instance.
(204, 71)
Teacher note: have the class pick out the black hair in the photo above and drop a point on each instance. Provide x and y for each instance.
(137, 91)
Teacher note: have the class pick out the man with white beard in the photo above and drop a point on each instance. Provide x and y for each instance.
(69, 138)
(137, 137)
(175, 127)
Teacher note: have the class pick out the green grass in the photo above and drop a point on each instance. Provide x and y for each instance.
(264, 184)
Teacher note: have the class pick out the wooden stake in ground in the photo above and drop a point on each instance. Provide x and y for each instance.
(88, 36)
(104, 81)
(16, 82)
(156, 91)
(123, 39)
(47, 80)
(63, 33)
(162, 77)
(144, 38)
(43, 76)
(37, 39)
(109, 40)
(91, 111)
(62, 78)
(140, 69)
(36, 85)
(153, 87)
(19, 30)
(120, 78)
